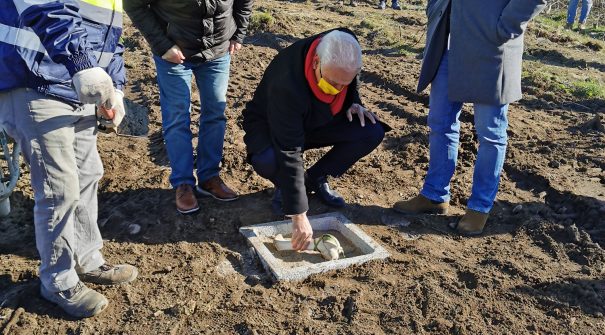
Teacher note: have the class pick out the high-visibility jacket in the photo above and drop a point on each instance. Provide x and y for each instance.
(43, 43)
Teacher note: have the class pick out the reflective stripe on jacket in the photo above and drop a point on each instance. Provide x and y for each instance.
(43, 43)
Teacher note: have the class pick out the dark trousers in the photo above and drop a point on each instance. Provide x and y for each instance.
(349, 140)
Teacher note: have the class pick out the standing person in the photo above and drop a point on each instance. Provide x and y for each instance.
(187, 38)
(571, 13)
(59, 59)
(308, 98)
(394, 4)
(473, 54)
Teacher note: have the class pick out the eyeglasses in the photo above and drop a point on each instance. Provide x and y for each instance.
(327, 80)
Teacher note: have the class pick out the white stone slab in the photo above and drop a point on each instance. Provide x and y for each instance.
(366, 248)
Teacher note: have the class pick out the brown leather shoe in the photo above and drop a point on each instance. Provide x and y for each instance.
(186, 202)
(215, 187)
(421, 205)
(471, 224)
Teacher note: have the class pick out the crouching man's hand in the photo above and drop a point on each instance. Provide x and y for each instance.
(111, 114)
(302, 233)
(362, 114)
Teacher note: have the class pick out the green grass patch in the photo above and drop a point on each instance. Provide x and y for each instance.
(261, 21)
(588, 89)
(555, 22)
(552, 84)
(368, 24)
(544, 82)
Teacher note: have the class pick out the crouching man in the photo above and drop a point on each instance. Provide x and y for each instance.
(59, 60)
(308, 98)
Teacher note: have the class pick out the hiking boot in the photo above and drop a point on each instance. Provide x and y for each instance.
(78, 301)
(582, 27)
(215, 187)
(186, 203)
(325, 193)
(110, 274)
(382, 5)
(569, 26)
(276, 202)
(471, 224)
(395, 5)
(421, 205)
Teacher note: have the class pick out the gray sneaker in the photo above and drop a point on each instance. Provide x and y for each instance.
(110, 274)
(78, 301)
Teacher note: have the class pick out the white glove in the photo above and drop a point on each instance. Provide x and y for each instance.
(93, 86)
(118, 113)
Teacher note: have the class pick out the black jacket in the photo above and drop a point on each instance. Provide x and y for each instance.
(201, 28)
(282, 110)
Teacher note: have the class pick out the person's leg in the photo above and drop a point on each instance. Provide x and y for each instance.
(174, 81)
(491, 123)
(571, 11)
(350, 142)
(88, 241)
(443, 137)
(212, 79)
(90, 264)
(265, 164)
(586, 6)
(44, 127)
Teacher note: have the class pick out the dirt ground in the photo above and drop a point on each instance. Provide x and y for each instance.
(539, 268)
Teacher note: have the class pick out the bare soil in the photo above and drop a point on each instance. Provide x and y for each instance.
(539, 268)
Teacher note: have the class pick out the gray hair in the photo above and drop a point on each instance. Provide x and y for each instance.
(339, 49)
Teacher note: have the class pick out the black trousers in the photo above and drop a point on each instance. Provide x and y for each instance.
(349, 140)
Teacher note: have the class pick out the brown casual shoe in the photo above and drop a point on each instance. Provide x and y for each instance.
(421, 205)
(215, 187)
(110, 274)
(186, 202)
(471, 224)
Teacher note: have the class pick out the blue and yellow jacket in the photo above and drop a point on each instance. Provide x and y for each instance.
(43, 43)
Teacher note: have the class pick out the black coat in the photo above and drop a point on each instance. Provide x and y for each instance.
(201, 28)
(282, 110)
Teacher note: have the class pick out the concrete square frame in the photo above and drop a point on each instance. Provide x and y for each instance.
(370, 249)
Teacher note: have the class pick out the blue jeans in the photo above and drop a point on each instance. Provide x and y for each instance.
(490, 124)
(174, 81)
(573, 6)
(59, 142)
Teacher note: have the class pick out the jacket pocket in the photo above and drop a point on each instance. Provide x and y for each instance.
(95, 34)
